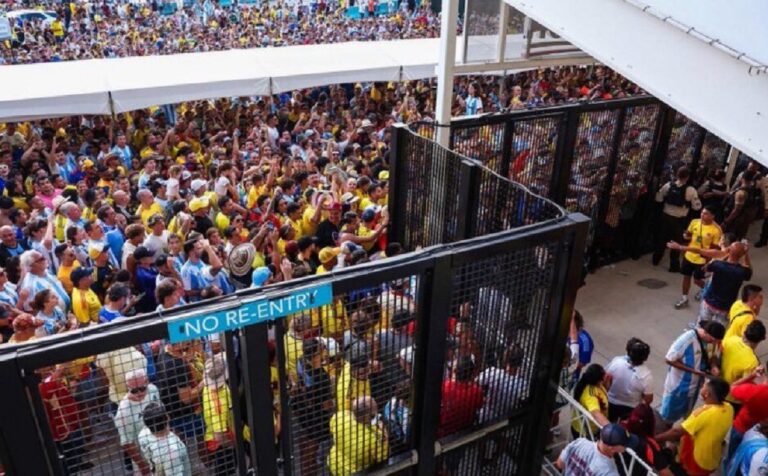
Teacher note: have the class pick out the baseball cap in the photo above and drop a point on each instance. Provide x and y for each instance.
(368, 215)
(198, 204)
(186, 175)
(152, 221)
(328, 253)
(384, 175)
(142, 252)
(260, 276)
(349, 198)
(80, 273)
(615, 435)
(95, 249)
(197, 184)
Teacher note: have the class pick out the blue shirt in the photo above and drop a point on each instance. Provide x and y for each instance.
(196, 277)
(115, 240)
(727, 279)
(124, 154)
(105, 315)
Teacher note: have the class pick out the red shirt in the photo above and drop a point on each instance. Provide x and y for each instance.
(61, 408)
(755, 409)
(461, 401)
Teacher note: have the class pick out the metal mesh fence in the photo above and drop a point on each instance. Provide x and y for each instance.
(430, 209)
(498, 453)
(425, 129)
(505, 205)
(534, 146)
(349, 370)
(714, 155)
(498, 307)
(682, 146)
(484, 143)
(589, 167)
(630, 182)
(153, 408)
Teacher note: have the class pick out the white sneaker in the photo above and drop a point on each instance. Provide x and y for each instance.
(683, 302)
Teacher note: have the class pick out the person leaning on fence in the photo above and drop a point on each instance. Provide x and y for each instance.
(702, 434)
(128, 419)
(160, 446)
(641, 423)
(592, 394)
(582, 456)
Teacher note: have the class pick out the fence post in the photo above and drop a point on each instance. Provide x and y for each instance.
(429, 361)
(664, 135)
(566, 146)
(24, 450)
(255, 354)
(564, 287)
(235, 378)
(469, 176)
(398, 184)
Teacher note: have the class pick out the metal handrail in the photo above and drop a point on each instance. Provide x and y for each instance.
(587, 421)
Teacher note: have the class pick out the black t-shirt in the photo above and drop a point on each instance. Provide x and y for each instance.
(172, 374)
(202, 224)
(327, 233)
(727, 279)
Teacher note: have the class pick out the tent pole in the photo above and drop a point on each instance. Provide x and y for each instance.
(445, 67)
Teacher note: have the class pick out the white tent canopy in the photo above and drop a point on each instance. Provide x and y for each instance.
(705, 58)
(85, 87)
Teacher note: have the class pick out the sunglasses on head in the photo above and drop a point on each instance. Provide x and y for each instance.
(140, 389)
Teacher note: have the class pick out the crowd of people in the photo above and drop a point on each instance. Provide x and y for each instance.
(104, 218)
(714, 362)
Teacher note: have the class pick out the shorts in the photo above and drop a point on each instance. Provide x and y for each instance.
(692, 269)
(709, 313)
(188, 427)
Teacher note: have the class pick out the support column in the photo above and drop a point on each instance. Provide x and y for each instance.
(445, 67)
(733, 158)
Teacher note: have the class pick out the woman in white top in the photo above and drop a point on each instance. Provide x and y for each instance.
(632, 383)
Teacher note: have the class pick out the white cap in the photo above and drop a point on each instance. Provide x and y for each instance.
(197, 184)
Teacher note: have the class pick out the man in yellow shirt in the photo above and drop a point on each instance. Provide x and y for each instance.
(67, 264)
(745, 310)
(85, 302)
(148, 206)
(358, 441)
(739, 359)
(354, 380)
(703, 233)
(703, 432)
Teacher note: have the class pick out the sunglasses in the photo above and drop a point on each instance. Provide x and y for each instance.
(140, 389)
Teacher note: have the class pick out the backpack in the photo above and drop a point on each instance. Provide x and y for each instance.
(676, 195)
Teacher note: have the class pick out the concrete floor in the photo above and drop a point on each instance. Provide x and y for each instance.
(616, 307)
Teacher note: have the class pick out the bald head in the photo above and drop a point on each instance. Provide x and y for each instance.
(364, 409)
(737, 251)
(121, 198)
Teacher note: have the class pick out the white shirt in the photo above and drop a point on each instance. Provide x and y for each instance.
(582, 458)
(128, 419)
(157, 244)
(167, 454)
(220, 187)
(502, 391)
(629, 383)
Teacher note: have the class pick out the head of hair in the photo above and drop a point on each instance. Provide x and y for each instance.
(755, 332)
(155, 417)
(165, 289)
(683, 173)
(750, 291)
(713, 328)
(719, 388)
(578, 319)
(118, 291)
(39, 302)
(637, 351)
(592, 375)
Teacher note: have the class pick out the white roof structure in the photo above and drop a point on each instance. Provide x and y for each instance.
(85, 87)
(705, 58)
